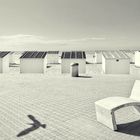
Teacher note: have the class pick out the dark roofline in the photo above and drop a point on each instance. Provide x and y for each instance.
(4, 53)
(34, 55)
(73, 55)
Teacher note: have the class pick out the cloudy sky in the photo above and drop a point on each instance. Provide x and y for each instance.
(69, 24)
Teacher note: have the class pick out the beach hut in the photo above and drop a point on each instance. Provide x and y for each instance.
(137, 58)
(131, 54)
(4, 62)
(98, 57)
(52, 57)
(14, 57)
(90, 57)
(115, 62)
(68, 58)
(33, 62)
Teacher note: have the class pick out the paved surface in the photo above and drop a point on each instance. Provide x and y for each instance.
(64, 104)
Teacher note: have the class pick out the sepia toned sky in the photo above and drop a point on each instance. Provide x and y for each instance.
(70, 24)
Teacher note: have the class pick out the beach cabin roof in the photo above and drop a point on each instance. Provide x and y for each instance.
(34, 55)
(73, 55)
(52, 52)
(128, 51)
(16, 52)
(115, 55)
(3, 54)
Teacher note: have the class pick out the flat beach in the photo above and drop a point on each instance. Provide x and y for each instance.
(65, 104)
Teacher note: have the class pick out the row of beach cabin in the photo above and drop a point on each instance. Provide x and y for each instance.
(113, 62)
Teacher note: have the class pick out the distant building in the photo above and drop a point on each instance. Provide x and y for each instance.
(14, 57)
(33, 62)
(4, 62)
(137, 58)
(52, 57)
(98, 57)
(115, 62)
(131, 54)
(68, 58)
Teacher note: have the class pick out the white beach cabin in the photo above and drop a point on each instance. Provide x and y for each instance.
(137, 58)
(90, 57)
(115, 62)
(68, 58)
(131, 54)
(98, 57)
(52, 57)
(4, 62)
(33, 62)
(15, 57)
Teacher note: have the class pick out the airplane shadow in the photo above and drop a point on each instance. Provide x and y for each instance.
(34, 126)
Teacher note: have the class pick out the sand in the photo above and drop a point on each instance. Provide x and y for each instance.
(64, 104)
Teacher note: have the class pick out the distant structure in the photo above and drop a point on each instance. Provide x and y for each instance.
(98, 57)
(131, 54)
(52, 57)
(4, 62)
(15, 57)
(33, 62)
(137, 58)
(68, 58)
(115, 62)
(74, 70)
(90, 57)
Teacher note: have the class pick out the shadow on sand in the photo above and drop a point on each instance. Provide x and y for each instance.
(34, 126)
(48, 66)
(131, 128)
(80, 76)
(89, 63)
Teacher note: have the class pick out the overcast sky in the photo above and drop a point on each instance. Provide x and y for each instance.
(82, 24)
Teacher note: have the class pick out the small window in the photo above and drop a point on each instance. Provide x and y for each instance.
(117, 60)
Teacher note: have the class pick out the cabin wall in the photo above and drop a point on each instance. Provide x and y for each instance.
(5, 64)
(112, 66)
(15, 58)
(32, 65)
(137, 59)
(98, 57)
(52, 58)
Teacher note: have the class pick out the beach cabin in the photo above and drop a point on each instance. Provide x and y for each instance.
(98, 57)
(131, 55)
(90, 57)
(68, 58)
(52, 57)
(137, 58)
(115, 62)
(33, 62)
(4, 62)
(14, 57)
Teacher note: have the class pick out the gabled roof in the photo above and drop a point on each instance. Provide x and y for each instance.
(115, 55)
(3, 54)
(73, 55)
(34, 54)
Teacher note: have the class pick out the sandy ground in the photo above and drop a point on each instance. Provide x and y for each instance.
(64, 104)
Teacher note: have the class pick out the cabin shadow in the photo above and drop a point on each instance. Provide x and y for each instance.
(88, 62)
(131, 128)
(48, 66)
(82, 76)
